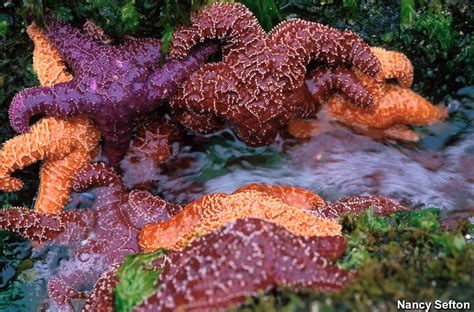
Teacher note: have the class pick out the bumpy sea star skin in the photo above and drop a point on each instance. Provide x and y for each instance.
(303, 199)
(396, 104)
(356, 204)
(47, 63)
(245, 257)
(210, 212)
(101, 297)
(64, 145)
(112, 84)
(252, 88)
(150, 148)
(293, 196)
(99, 237)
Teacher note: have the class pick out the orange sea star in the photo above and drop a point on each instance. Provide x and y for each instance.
(64, 145)
(293, 196)
(47, 63)
(211, 212)
(396, 104)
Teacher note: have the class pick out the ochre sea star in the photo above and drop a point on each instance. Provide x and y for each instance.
(210, 212)
(112, 84)
(64, 145)
(253, 87)
(397, 105)
(99, 237)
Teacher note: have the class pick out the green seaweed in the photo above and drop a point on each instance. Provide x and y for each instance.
(136, 280)
(407, 13)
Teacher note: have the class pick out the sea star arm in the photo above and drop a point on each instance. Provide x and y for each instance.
(395, 65)
(145, 52)
(101, 298)
(75, 47)
(308, 40)
(115, 140)
(95, 32)
(99, 175)
(213, 211)
(63, 228)
(358, 204)
(47, 63)
(324, 81)
(56, 182)
(234, 24)
(59, 100)
(397, 106)
(199, 106)
(165, 82)
(294, 196)
(64, 145)
(146, 208)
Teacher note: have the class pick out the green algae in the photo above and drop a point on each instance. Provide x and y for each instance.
(137, 280)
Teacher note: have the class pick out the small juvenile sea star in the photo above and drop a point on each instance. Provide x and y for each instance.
(98, 237)
(112, 84)
(253, 88)
(64, 145)
(151, 146)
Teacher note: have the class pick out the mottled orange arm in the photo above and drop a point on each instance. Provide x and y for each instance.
(297, 197)
(212, 212)
(398, 106)
(65, 146)
(47, 63)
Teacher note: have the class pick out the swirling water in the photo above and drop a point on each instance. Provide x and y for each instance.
(437, 171)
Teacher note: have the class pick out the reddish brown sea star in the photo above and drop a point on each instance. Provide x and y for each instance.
(242, 259)
(98, 237)
(256, 88)
(64, 145)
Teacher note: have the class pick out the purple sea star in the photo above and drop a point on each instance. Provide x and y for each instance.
(112, 84)
(98, 237)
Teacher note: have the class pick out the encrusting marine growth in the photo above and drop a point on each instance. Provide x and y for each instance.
(65, 146)
(253, 88)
